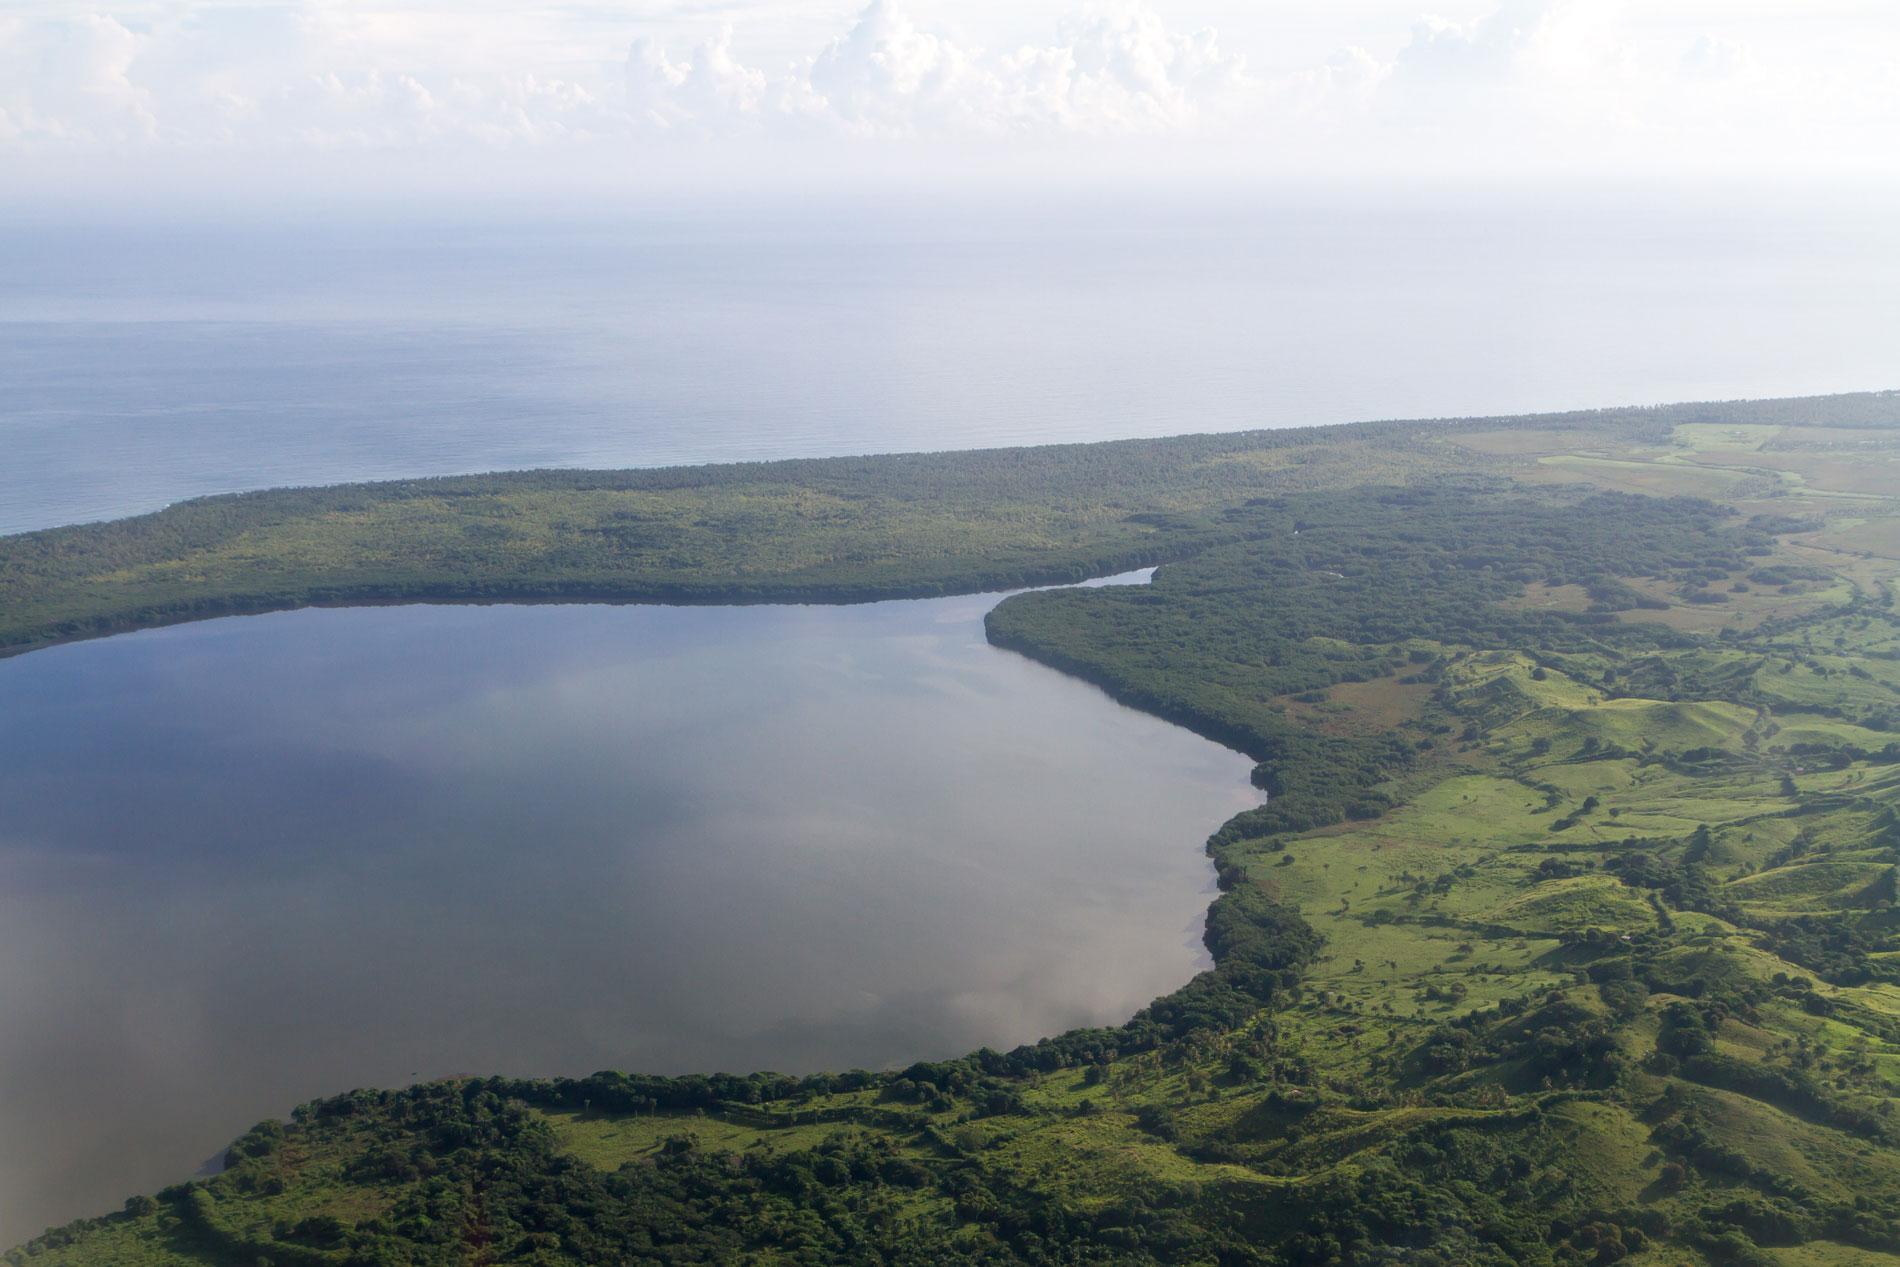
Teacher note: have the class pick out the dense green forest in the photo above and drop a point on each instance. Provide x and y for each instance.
(827, 530)
(1567, 934)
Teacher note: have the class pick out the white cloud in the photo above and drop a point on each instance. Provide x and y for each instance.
(1533, 73)
(71, 81)
(887, 76)
(1600, 85)
(1551, 82)
(1129, 71)
(710, 85)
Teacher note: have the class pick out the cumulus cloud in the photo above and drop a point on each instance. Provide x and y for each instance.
(710, 84)
(1532, 71)
(1530, 80)
(70, 80)
(307, 72)
(887, 76)
(274, 77)
(1599, 83)
(1129, 71)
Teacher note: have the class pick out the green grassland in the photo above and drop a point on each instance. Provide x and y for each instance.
(1567, 935)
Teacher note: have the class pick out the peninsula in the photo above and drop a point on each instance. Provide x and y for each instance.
(1567, 935)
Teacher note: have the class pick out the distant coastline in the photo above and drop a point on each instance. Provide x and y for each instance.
(824, 530)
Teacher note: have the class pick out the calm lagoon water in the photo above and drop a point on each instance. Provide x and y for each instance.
(257, 860)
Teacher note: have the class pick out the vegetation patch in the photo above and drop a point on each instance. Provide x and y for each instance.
(1567, 935)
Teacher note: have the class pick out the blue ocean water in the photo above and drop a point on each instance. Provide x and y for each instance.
(144, 363)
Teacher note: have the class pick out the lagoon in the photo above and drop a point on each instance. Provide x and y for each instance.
(253, 861)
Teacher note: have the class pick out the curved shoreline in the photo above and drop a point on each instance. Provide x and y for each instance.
(819, 530)
(764, 594)
(966, 616)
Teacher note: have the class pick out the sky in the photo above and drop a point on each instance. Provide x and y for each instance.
(123, 100)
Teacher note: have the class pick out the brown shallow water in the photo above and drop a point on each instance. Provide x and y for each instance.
(253, 861)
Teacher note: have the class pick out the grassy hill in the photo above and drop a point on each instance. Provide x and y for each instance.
(1568, 934)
